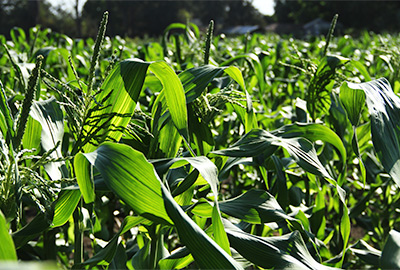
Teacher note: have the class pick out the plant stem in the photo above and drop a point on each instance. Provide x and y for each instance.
(78, 234)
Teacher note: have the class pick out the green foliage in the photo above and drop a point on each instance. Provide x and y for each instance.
(152, 156)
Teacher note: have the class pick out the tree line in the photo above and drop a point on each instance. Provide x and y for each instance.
(150, 18)
(131, 18)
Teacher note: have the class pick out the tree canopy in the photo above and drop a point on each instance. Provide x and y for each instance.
(376, 16)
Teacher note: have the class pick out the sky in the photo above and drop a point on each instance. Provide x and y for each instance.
(266, 7)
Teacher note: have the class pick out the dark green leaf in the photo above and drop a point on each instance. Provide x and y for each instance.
(384, 109)
(132, 178)
(282, 252)
(390, 258)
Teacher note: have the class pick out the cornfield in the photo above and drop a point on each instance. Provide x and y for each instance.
(199, 151)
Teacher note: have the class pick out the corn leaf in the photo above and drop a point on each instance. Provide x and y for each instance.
(32, 230)
(353, 101)
(282, 252)
(83, 177)
(255, 206)
(313, 132)
(120, 92)
(106, 254)
(390, 258)
(64, 206)
(49, 114)
(384, 109)
(134, 180)
(32, 136)
(367, 253)
(7, 249)
(174, 95)
(207, 254)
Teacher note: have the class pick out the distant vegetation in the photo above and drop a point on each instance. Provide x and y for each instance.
(150, 18)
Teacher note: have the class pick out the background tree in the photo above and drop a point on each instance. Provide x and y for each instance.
(377, 16)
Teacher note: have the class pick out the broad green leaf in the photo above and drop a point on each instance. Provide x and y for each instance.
(141, 259)
(132, 178)
(179, 259)
(384, 109)
(218, 229)
(345, 228)
(255, 63)
(209, 173)
(255, 206)
(281, 252)
(64, 206)
(84, 178)
(260, 141)
(120, 92)
(49, 114)
(254, 143)
(195, 80)
(313, 132)
(250, 121)
(353, 101)
(390, 258)
(7, 248)
(174, 95)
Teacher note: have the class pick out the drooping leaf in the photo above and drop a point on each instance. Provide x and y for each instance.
(313, 132)
(207, 254)
(49, 114)
(281, 252)
(367, 253)
(260, 141)
(209, 173)
(390, 258)
(255, 206)
(384, 109)
(132, 178)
